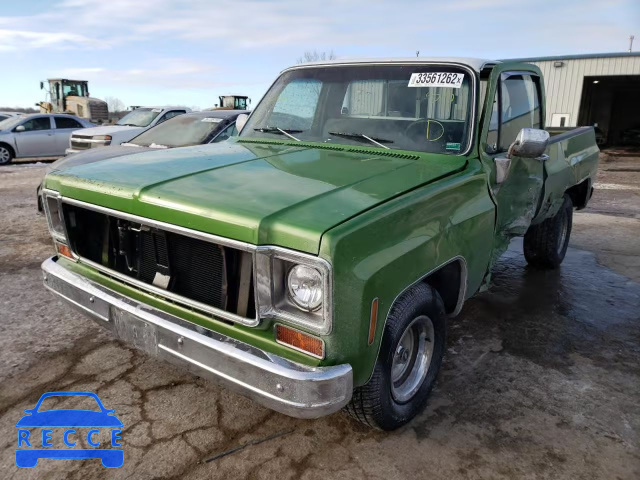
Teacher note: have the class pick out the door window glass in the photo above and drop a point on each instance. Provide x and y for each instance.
(520, 107)
(40, 123)
(66, 122)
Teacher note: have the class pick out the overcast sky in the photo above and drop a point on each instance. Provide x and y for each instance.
(190, 51)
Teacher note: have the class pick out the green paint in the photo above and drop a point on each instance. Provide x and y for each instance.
(382, 218)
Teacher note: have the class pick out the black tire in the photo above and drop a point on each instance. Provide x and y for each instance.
(6, 154)
(374, 404)
(545, 244)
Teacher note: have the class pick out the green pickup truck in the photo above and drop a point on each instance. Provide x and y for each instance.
(312, 262)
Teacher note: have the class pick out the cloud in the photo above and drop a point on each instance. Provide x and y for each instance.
(22, 39)
(174, 73)
(261, 25)
(189, 47)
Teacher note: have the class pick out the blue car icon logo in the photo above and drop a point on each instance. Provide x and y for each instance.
(29, 452)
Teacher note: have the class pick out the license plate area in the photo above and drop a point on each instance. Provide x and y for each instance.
(135, 331)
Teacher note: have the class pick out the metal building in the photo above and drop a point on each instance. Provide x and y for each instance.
(600, 89)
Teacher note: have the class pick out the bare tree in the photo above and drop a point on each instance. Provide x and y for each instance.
(316, 56)
(115, 104)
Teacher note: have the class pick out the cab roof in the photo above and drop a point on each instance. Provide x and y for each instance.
(476, 64)
(66, 80)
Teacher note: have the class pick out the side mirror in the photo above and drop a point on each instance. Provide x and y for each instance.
(241, 121)
(530, 143)
(19, 128)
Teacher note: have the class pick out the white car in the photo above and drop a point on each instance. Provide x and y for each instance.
(128, 127)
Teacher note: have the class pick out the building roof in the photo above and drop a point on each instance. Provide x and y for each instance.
(476, 64)
(574, 57)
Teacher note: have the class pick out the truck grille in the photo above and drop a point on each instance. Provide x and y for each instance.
(192, 271)
(99, 111)
(81, 142)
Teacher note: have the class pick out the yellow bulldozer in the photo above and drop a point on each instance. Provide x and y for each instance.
(72, 96)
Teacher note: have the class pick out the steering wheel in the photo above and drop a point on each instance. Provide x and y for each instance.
(432, 128)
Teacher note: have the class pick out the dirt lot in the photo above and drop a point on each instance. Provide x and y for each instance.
(541, 377)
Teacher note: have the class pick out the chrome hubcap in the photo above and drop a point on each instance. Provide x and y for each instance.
(411, 359)
(4, 155)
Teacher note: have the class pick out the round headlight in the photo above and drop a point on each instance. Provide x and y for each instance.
(305, 287)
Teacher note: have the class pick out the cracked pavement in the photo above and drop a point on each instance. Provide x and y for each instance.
(541, 378)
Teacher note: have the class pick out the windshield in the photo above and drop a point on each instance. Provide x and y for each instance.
(10, 122)
(62, 402)
(74, 89)
(424, 108)
(140, 117)
(180, 131)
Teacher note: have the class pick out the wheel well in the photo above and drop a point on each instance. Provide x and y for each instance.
(450, 281)
(580, 194)
(13, 152)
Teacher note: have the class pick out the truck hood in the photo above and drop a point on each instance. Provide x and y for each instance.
(264, 194)
(94, 155)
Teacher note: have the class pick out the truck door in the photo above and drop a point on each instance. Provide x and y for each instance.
(513, 102)
(37, 139)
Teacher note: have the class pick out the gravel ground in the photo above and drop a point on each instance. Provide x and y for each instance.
(541, 377)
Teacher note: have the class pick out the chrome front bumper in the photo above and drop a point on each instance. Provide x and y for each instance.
(277, 383)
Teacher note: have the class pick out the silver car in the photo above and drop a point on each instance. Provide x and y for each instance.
(37, 135)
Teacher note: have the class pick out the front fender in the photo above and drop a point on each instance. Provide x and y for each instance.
(385, 250)
(11, 141)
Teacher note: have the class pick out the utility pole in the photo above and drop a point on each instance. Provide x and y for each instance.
(631, 37)
(417, 53)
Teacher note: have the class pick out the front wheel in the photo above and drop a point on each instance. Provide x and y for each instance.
(545, 244)
(410, 356)
(6, 155)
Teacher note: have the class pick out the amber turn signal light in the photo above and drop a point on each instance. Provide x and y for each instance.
(300, 341)
(64, 250)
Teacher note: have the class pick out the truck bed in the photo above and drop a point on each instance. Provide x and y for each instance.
(573, 160)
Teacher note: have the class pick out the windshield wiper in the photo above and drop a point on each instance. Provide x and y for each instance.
(376, 141)
(281, 131)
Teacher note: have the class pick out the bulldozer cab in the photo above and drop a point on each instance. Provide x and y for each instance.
(234, 102)
(72, 96)
(61, 88)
